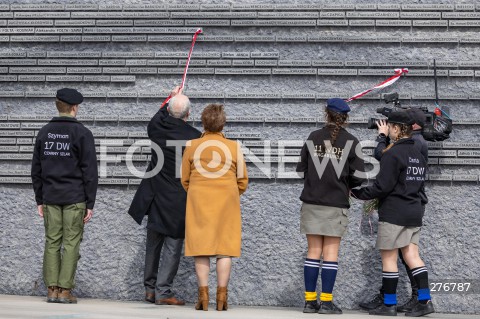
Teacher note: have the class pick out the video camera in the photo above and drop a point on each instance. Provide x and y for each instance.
(438, 125)
(388, 98)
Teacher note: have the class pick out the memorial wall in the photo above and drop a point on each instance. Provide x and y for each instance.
(273, 64)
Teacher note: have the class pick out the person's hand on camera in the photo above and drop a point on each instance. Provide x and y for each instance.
(382, 127)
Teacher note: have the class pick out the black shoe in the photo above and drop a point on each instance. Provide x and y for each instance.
(328, 307)
(383, 310)
(409, 305)
(372, 304)
(311, 307)
(421, 309)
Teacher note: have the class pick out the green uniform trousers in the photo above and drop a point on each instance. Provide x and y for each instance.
(63, 225)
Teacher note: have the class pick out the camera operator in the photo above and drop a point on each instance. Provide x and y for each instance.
(418, 116)
(383, 140)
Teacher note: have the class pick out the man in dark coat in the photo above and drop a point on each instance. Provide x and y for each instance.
(163, 199)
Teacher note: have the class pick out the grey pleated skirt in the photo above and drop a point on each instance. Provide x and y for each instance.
(392, 236)
(323, 220)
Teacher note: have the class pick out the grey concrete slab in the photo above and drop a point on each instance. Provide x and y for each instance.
(36, 307)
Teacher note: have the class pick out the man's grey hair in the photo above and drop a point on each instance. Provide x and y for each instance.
(179, 108)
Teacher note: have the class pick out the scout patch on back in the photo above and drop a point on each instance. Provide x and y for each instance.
(56, 145)
(415, 170)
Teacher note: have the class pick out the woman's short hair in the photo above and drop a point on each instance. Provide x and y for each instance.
(213, 117)
(63, 107)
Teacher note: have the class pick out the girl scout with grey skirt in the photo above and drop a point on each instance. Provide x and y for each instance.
(328, 162)
(398, 186)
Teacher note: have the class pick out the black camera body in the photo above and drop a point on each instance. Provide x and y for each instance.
(437, 127)
(372, 122)
(388, 98)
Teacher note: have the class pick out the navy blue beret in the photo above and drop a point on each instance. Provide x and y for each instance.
(70, 96)
(338, 105)
(401, 117)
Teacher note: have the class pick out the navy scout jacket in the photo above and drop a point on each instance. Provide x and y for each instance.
(64, 164)
(162, 197)
(399, 185)
(326, 188)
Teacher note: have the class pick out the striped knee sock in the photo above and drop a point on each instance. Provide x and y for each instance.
(329, 274)
(390, 282)
(420, 275)
(311, 268)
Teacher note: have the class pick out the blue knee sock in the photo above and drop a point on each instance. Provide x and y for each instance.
(311, 268)
(329, 274)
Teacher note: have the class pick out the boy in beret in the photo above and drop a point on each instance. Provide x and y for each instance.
(64, 175)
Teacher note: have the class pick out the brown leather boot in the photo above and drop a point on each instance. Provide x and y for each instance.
(52, 295)
(222, 297)
(65, 296)
(150, 297)
(173, 301)
(203, 299)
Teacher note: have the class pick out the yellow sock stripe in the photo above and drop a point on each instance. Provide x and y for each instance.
(310, 296)
(326, 297)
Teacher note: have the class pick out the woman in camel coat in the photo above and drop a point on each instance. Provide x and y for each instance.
(214, 175)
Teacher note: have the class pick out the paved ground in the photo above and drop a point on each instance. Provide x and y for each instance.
(13, 307)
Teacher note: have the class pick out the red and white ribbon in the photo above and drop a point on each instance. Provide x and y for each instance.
(184, 78)
(387, 82)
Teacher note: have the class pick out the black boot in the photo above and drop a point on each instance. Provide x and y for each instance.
(328, 307)
(383, 310)
(372, 304)
(410, 304)
(421, 309)
(311, 306)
